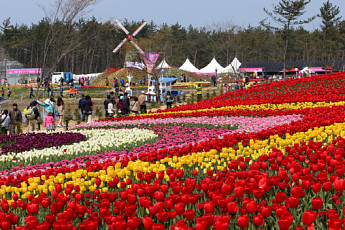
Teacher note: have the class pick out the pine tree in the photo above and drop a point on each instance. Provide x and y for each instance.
(287, 13)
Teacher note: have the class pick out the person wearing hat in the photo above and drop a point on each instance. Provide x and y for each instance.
(142, 102)
(48, 105)
(15, 119)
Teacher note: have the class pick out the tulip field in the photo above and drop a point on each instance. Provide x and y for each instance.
(266, 157)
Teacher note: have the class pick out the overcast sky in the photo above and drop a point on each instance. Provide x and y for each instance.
(197, 13)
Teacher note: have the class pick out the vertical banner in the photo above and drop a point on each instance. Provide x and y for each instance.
(150, 60)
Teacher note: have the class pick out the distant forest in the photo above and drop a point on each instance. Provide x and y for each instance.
(174, 42)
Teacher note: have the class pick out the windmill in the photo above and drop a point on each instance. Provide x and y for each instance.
(129, 37)
(149, 58)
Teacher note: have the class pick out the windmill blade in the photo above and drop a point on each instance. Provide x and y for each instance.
(118, 23)
(139, 28)
(137, 47)
(119, 46)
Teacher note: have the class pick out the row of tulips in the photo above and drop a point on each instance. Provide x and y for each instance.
(16, 143)
(169, 137)
(242, 124)
(100, 140)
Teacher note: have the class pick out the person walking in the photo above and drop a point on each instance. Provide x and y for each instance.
(106, 82)
(32, 115)
(81, 106)
(169, 99)
(127, 103)
(49, 122)
(135, 105)
(31, 91)
(9, 93)
(120, 105)
(122, 82)
(88, 106)
(15, 119)
(61, 91)
(2, 92)
(5, 121)
(48, 91)
(142, 102)
(199, 93)
(116, 82)
(111, 108)
(60, 104)
(106, 103)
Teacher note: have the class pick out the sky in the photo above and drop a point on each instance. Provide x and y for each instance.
(198, 13)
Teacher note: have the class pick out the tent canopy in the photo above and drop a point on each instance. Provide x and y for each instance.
(163, 65)
(234, 66)
(189, 67)
(212, 68)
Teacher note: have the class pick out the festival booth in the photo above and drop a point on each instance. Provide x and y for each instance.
(234, 66)
(254, 71)
(189, 67)
(14, 75)
(213, 68)
(320, 69)
(163, 65)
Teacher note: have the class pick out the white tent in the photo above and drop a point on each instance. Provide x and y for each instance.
(233, 66)
(212, 68)
(188, 66)
(163, 65)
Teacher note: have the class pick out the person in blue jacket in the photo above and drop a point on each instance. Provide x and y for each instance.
(48, 105)
(81, 106)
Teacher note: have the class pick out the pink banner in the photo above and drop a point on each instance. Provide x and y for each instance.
(317, 69)
(250, 70)
(150, 60)
(24, 71)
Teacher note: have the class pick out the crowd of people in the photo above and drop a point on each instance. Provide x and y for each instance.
(11, 121)
(123, 105)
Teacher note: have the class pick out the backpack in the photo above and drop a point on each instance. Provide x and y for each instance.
(29, 113)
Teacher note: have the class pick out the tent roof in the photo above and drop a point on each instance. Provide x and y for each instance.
(189, 67)
(234, 65)
(163, 65)
(212, 67)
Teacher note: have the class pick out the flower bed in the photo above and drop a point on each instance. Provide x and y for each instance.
(16, 143)
(96, 141)
(282, 172)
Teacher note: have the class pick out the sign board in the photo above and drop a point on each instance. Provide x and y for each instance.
(24, 71)
(250, 70)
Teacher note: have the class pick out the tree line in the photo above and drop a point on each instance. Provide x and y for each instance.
(95, 41)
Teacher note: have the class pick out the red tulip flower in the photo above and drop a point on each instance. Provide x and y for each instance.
(285, 221)
(317, 203)
(243, 221)
(258, 220)
(179, 208)
(309, 217)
